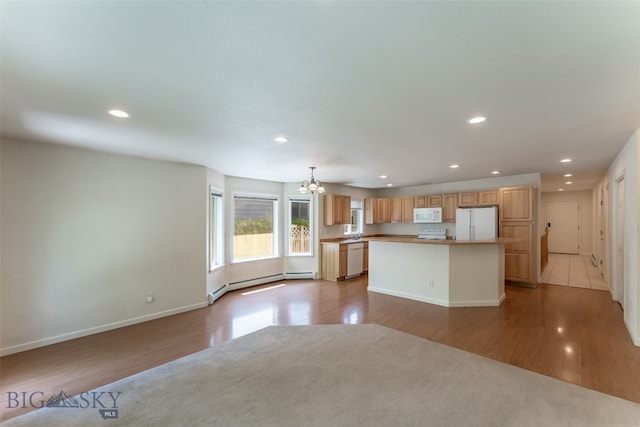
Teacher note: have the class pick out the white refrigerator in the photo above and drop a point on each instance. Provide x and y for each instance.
(477, 223)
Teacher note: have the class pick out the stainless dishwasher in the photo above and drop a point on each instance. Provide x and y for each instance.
(355, 253)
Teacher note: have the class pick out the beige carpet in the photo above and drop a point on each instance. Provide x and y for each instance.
(339, 375)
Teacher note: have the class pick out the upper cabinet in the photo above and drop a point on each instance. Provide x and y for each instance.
(377, 210)
(478, 198)
(337, 209)
(421, 202)
(434, 201)
(382, 211)
(408, 203)
(516, 204)
(488, 197)
(450, 202)
(396, 209)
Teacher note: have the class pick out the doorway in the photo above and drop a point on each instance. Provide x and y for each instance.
(563, 220)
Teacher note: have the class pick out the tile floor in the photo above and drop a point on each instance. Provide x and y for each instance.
(573, 270)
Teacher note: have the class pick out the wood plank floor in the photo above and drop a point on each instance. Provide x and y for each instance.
(573, 334)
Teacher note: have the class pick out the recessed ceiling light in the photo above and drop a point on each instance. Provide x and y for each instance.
(567, 175)
(495, 172)
(565, 161)
(119, 113)
(383, 176)
(569, 182)
(281, 139)
(560, 189)
(389, 185)
(476, 120)
(454, 166)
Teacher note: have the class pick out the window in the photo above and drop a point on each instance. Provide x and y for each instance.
(300, 242)
(254, 228)
(215, 229)
(355, 227)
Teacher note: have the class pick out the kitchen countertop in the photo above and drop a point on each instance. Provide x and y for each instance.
(413, 239)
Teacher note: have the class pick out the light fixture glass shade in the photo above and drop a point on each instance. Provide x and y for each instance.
(312, 185)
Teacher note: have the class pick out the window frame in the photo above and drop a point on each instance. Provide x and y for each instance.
(356, 205)
(275, 199)
(288, 244)
(215, 240)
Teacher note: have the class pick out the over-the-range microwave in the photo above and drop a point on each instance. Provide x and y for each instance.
(427, 215)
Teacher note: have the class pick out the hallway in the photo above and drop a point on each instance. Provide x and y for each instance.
(573, 270)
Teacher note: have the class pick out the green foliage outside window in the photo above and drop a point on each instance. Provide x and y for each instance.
(253, 226)
(301, 222)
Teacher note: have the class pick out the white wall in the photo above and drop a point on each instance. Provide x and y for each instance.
(87, 236)
(626, 164)
(585, 199)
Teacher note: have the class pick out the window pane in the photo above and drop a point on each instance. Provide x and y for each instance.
(253, 235)
(299, 229)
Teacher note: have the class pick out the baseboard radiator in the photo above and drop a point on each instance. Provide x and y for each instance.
(213, 296)
(301, 275)
(257, 281)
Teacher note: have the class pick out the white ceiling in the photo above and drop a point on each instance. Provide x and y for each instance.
(360, 88)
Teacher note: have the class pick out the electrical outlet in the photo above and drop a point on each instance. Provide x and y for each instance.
(431, 283)
(150, 298)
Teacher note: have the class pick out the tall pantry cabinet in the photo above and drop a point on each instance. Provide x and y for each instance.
(517, 220)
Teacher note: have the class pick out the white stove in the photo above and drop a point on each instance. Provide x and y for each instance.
(432, 233)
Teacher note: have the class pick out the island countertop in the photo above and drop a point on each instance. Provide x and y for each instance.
(451, 242)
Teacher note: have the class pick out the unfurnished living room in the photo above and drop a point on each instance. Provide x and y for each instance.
(319, 213)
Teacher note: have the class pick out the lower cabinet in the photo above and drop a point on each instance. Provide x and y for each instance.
(342, 262)
(365, 260)
(334, 260)
(519, 258)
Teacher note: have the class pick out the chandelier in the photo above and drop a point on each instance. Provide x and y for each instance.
(312, 185)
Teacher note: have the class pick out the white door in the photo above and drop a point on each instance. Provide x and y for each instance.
(619, 245)
(563, 220)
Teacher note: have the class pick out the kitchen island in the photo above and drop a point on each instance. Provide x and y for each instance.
(450, 273)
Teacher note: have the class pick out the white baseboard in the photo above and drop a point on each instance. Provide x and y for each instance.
(90, 331)
(442, 303)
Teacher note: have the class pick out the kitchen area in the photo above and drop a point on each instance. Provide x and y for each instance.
(466, 247)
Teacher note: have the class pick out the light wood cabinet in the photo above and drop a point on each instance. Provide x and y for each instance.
(421, 201)
(382, 211)
(408, 204)
(342, 265)
(434, 201)
(479, 198)
(396, 209)
(450, 202)
(337, 209)
(368, 210)
(377, 210)
(519, 257)
(365, 259)
(334, 261)
(516, 204)
(488, 197)
(468, 199)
